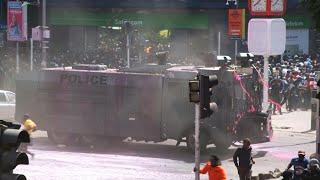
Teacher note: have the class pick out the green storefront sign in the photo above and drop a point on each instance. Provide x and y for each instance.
(298, 22)
(152, 20)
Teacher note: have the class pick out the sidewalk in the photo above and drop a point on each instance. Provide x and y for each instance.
(296, 121)
(291, 133)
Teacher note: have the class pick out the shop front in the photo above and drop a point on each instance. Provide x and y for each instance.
(186, 33)
(298, 38)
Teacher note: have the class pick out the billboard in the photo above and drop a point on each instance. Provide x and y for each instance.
(17, 21)
(236, 23)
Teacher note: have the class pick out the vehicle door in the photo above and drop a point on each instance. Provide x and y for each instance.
(4, 106)
(11, 97)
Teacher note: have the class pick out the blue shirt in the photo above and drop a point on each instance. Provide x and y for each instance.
(15, 30)
(299, 166)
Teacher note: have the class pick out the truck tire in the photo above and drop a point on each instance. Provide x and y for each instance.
(223, 144)
(89, 139)
(62, 137)
(203, 141)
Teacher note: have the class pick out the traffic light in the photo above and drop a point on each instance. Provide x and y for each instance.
(162, 57)
(246, 59)
(318, 94)
(194, 93)
(10, 138)
(128, 27)
(206, 106)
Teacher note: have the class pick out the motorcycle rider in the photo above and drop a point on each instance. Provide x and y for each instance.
(299, 165)
(313, 172)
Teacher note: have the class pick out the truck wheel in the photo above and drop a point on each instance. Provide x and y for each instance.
(62, 137)
(223, 144)
(91, 140)
(203, 141)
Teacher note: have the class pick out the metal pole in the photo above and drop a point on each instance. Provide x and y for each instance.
(140, 55)
(318, 123)
(211, 32)
(314, 111)
(17, 58)
(128, 51)
(236, 42)
(196, 137)
(219, 43)
(315, 107)
(265, 104)
(31, 54)
(44, 23)
(85, 40)
(235, 51)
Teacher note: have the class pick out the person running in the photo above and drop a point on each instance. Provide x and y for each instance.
(30, 127)
(214, 169)
(243, 160)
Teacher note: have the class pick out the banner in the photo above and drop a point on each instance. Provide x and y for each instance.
(236, 23)
(17, 21)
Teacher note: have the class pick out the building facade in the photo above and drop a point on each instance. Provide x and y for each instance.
(194, 25)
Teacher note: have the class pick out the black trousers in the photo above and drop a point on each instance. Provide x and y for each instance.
(245, 173)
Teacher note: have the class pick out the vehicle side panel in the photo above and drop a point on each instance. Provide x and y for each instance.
(178, 112)
(96, 103)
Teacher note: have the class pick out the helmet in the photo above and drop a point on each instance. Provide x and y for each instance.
(314, 164)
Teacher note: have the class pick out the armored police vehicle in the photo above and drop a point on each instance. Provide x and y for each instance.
(151, 103)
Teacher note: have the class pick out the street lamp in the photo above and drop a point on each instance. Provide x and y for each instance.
(231, 2)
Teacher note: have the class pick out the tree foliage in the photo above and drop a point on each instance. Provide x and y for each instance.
(313, 6)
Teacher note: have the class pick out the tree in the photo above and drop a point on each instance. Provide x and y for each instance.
(314, 7)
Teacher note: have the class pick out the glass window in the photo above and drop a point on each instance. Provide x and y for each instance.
(11, 97)
(3, 97)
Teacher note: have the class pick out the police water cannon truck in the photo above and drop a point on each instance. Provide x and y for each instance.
(91, 103)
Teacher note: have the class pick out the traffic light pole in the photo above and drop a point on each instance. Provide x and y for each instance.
(43, 43)
(197, 133)
(318, 119)
(128, 50)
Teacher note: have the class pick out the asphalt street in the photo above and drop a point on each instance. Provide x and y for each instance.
(161, 161)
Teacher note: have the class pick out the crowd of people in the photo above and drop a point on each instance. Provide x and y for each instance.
(115, 57)
(291, 81)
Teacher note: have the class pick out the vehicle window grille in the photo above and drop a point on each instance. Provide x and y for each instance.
(3, 97)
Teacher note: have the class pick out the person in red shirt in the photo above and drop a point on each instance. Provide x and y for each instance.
(214, 169)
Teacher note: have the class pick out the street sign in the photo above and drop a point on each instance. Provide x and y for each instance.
(36, 33)
(236, 24)
(267, 7)
(267, 37)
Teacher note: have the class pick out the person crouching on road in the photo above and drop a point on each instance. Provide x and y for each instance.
(299, 164)
(214, 169)
(245, 160)
(30, 127)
